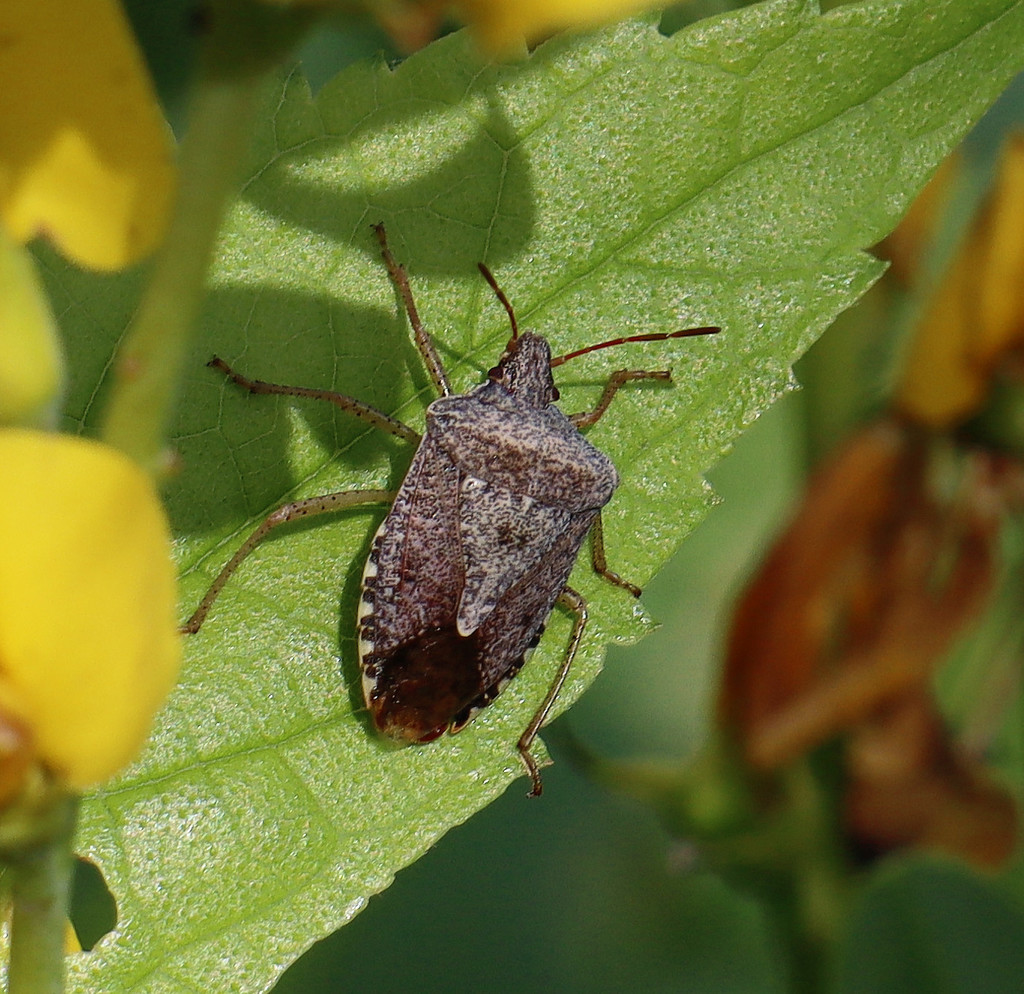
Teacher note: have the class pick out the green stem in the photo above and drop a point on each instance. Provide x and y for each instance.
(150, 360)
(243, 43)
(40, 893)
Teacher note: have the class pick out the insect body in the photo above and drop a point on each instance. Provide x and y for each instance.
(478, 546)
(481, 536)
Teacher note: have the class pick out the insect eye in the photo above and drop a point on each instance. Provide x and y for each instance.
(494, 373)
(555, 395)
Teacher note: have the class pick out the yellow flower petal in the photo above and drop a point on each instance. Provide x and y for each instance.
(501, 24)
(976, 316)
(88, 639)
(85, 155)
(1001, 287)
(30, 360)
(71, 943)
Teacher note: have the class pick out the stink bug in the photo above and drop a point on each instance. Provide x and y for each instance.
(481, 536)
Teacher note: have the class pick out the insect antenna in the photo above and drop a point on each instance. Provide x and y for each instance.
(658, 336)
(499, 293)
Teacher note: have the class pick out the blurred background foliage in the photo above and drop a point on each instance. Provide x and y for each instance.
(597, 888)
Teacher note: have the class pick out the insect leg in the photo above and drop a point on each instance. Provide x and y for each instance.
(435, 368)
(355, 407)
(288, 512)
(586, 418)
(597, 557)
(574, 602)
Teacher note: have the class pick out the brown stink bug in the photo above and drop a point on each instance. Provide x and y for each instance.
(480, 539)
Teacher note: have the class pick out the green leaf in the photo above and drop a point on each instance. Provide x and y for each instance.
(619, 184)
(925, 927)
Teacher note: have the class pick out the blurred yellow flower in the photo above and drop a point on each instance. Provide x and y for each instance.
(86, 158)
(502, 24)
(499, 25)
(88, 639)
(975, 319)
(30, 357)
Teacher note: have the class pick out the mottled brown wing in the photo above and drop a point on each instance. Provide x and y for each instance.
(417, 671)
(414, 575)
(527, 475)
(504, 536)
(420, 676)
(520, 615)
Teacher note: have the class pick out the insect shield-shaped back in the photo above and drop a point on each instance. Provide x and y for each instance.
(481, 537)
(477, 547)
